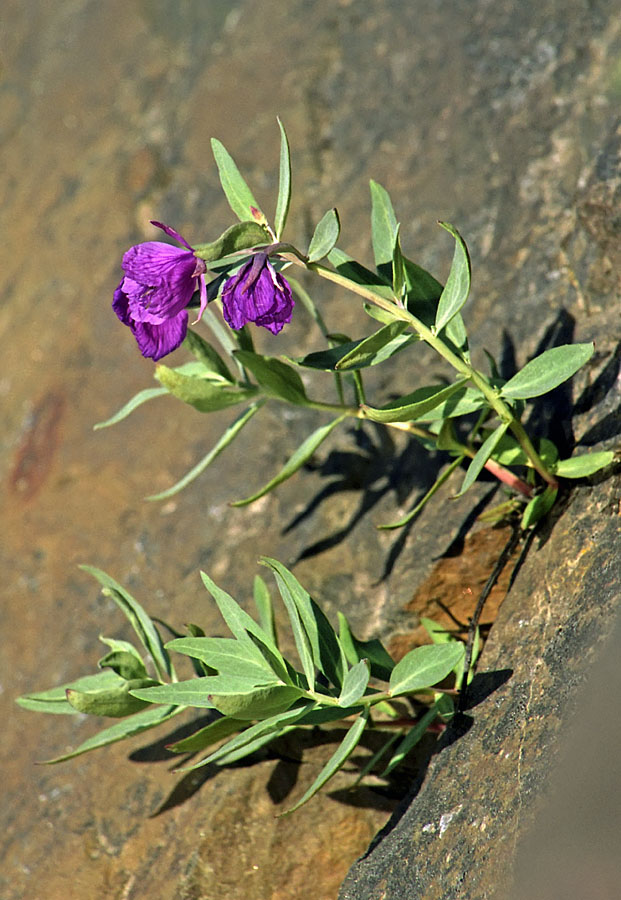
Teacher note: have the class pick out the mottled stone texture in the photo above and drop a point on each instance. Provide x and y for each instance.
(496, 116)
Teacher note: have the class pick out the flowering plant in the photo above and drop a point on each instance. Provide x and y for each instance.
(475, 416)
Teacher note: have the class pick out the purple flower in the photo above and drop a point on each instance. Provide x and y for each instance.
(259, 294)
(152, 296)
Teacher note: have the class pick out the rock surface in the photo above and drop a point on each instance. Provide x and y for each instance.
(496, 117)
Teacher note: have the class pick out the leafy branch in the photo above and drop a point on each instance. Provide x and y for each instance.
(256, 693)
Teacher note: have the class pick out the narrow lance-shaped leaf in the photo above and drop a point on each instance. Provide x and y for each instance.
(424, 666)
(225, 439)
(547, 371)
(325, 237)
(203, 394)
(227, 655)
(240, 236)
(410, 740)
(284, 184)
(539, 506)
(244, 627)
(369, 351)
(239, 745)
(355, 683)
(344, 750)
(207, 355)
(136, 401)
(457, 285)
(210, 734)
(136, 724)
(585, 464)
(482, 455)
(275, 377)
(139, 619)
(384, 226)
(54, 700)
(380, 661)
(296, 461)
(417, 404)
(327, 654)
(238, 194)
(115, 702)
(366, 352)
(265, 607)
(398, 268)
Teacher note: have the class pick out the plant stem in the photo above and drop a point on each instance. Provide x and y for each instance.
(501, 409)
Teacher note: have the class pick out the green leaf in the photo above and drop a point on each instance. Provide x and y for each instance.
(210, 734)
(138, 618)
(326, 652)
(235, 188)
(136, 401)
(410, 740)
(116, 702)
(398, 268)
(240, 236)
(414, 405)
(233, 696)
(539, 506)
(482, 455)
(227, 655)
(355, 683)
(380, 661)
(437, 632)
(586, 464)
(265, 607)
(226, 438)
(296, 461)
(377, 347)
(383, 226)
(297, 604)
(128, 727)
(457, 285)
(448, 471)
(325, 237)
(284, 184)
(421, 287)
(203, 394)
(366, 352)
(547, 371)
(244, 627)
(207, 355)
(357, 273)
(344, 750)
(123, 659)
(276, 378)
(424, 666)
(461, 403)
(54, 700)
(245, 742)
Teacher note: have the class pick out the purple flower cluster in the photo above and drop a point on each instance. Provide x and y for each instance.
(259, 294)
(160, 280)
(153, 294)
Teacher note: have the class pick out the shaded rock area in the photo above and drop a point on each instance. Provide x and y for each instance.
(495, 116)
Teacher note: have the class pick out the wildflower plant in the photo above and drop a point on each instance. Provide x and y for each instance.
(244, 278)
(257, 694)
(475, 416)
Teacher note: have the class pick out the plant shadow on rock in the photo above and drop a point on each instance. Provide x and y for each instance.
(290, 752)
(374, 469)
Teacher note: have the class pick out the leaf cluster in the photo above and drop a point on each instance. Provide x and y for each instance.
(474, 416)
(255, 692)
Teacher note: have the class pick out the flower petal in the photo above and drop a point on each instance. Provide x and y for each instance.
(156, 341)
(171, 233)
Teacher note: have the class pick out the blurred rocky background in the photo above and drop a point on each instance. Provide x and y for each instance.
(499, 117)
